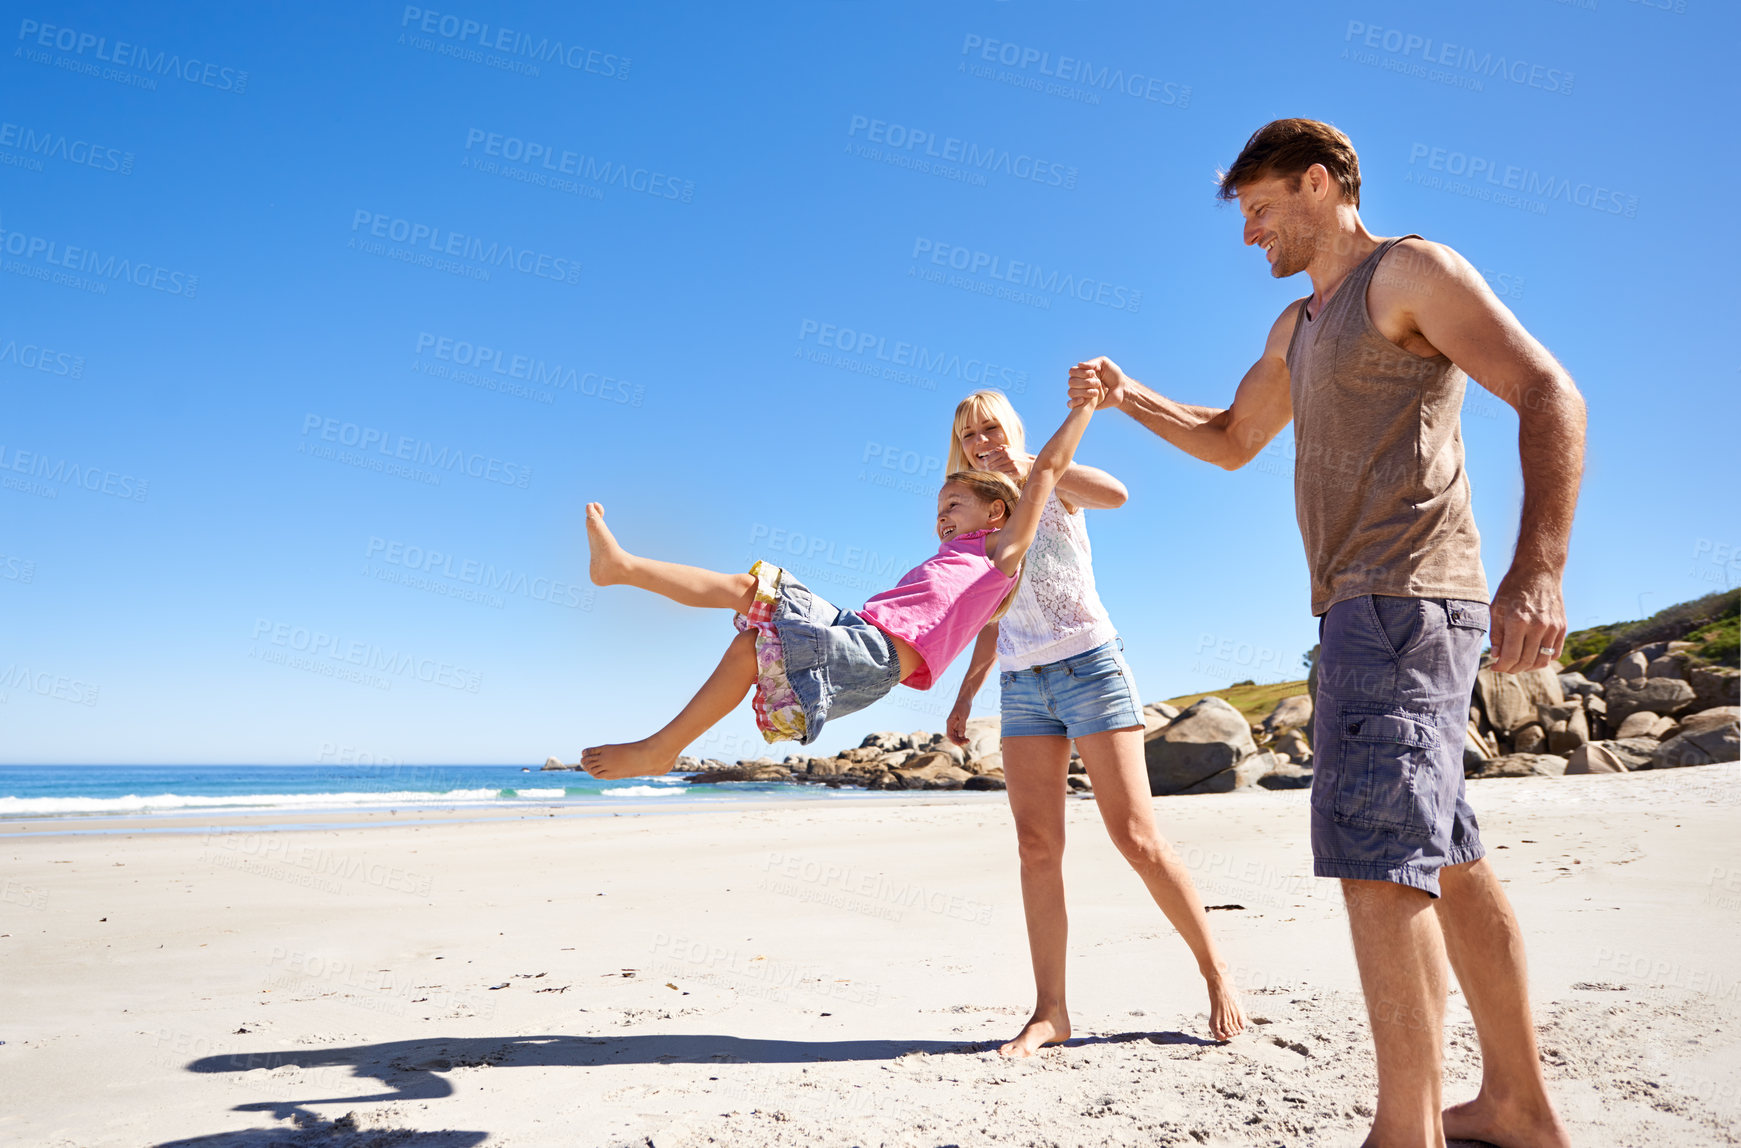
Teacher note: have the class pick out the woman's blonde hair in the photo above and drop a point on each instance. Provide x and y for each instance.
(993, 405)
(994, 486)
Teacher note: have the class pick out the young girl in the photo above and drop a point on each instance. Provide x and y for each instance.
(1064, 678)
(809, 660)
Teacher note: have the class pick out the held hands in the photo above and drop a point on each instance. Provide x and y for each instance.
(1099, 378)
(1529, 616)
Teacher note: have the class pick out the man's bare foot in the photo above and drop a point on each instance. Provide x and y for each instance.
(608, 558)
(1488, 1122)
(1039, 1032)
(1226, 1018)
(631, 759)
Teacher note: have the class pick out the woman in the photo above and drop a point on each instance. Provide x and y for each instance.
(1063, 677)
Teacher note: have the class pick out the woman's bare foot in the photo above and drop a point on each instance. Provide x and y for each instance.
(631, 759)
(1485, 1122)
(608, 558)
(1039, 1032)
(1226, 1018)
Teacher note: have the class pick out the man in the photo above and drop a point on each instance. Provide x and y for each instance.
(1371, 369)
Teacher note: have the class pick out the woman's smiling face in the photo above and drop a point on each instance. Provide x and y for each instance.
(980, 436)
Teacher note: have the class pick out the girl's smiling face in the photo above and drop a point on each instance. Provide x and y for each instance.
(961, 511)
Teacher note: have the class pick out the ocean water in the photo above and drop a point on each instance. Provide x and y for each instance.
(43, 791)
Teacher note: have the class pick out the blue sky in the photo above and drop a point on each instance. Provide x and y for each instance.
(319, 322)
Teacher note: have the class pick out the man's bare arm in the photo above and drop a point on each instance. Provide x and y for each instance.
(1469, 325)
(1230, 438)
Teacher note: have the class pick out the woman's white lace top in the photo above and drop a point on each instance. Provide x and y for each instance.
(1057, 613)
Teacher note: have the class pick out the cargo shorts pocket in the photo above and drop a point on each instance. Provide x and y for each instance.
(1389, 769)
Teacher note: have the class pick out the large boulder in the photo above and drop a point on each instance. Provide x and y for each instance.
(1667, 696)
(884, 741)
(1208, 737)
(556, 763)
(934, 770)
(1530, 738)
(1670, 665)
(1710, 736)
(1714, 686)
(1576, 684)
(1622, 755)
(984, 737)
(1290, 713)
(1630, 668)
(1570, 734)
(1510, 700)
(1162, 710)
(1287, 775)
(1644, 724)
(1522, 765)
(1246, 772)
(1293, 745)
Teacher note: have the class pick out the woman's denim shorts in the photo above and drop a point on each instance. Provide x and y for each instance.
(1089, 693)
(838, 663)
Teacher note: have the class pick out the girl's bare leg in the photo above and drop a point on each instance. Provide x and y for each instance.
(657, 754)
(1034, 769)
(686, 585)
(1115, 765)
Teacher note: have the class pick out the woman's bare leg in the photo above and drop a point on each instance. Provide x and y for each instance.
(686, 585)
(1115, 765)
(1034, 769)
(657, 754)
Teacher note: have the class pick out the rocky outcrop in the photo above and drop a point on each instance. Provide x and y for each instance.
(1209, 737)
(1667, 696)
(1702, 739)
(1289, 713)
(1523, 765)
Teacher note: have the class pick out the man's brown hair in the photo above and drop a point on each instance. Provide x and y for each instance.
(1289, 147)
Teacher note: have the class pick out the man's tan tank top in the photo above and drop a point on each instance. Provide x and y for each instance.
(1379, 485)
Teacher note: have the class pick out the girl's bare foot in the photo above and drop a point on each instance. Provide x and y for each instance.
(607, 557)
(1226, 1018)
(631, 759)
(1039, 1032)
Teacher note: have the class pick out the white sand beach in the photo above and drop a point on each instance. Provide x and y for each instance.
(831, 974)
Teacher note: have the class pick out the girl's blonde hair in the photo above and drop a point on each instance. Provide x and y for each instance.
(993, 405)
(994, 486)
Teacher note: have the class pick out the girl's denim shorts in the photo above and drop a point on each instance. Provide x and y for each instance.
(838, 663)
(1089, 693)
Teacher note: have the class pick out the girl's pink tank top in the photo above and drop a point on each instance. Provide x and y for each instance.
(942, 604)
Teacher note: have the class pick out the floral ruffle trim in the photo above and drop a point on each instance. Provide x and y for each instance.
(779, 714)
